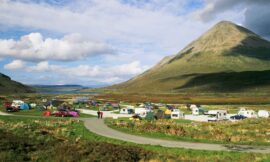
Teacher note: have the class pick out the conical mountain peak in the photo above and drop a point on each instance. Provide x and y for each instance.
(225, 56)
(222, 37)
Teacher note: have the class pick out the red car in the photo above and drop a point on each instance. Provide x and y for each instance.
(10, 108)
(62, 114)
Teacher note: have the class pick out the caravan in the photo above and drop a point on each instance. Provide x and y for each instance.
(195, 110)
(247, 113)
(127, 111)
(217, 115)
(263, 114)
(142, 111)
(177, 114)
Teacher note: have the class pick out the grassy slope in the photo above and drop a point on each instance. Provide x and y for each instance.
(85, 150)
(8, 86)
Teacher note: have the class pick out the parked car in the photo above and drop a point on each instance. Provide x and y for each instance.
(10, 108)
(238, 117)
(62, 114)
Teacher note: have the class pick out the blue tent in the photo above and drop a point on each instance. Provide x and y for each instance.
(24, 106)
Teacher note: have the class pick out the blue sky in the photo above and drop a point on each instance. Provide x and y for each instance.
(103, 42)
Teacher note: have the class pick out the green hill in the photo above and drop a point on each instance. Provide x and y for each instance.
(227, 58)
(8, 86)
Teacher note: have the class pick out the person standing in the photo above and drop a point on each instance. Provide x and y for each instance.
(101, 114)
(98, 114)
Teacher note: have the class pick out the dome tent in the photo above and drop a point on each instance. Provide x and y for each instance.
(24, 106)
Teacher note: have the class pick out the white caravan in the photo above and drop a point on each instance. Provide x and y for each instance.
(195, 110)
(263, 114)
(247, 113)
(127, 111)
(177, 114)
(142, 112)
(217, 115)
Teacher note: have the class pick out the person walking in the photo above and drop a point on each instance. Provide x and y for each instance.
(101, 114)
(98, 114)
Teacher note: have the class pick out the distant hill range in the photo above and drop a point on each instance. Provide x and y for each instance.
(227, 58)
(8, 86)
(58, 88)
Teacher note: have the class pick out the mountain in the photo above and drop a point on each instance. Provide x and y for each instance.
(227, 58)
(8, 86)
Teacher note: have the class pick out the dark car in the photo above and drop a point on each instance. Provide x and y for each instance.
(238, 117)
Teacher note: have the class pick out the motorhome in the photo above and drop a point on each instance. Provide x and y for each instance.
(217, 115)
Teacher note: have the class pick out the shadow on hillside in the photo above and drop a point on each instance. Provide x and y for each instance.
(227, 81)
(262, 51)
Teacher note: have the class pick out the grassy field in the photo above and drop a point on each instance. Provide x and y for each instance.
(249, 131)
(198, 98)
(39, 139)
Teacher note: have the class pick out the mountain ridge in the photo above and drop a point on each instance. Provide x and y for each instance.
(8, 86)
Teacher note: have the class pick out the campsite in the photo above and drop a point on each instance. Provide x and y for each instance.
(161, 120)
(134, 81)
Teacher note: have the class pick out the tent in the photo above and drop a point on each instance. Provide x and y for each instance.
(24, 106)
(159, 114)
(149, 116)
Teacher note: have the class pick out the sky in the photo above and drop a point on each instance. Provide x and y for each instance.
(105, 42)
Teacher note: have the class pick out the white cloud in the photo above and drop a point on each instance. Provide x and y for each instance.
(34, 47)
(15, 65)
(155, 24)
(111, 74)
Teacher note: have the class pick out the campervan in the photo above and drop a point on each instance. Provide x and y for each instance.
(247, 113)
(141, 111)
(217, 115)
(177, 114)
(263, 114)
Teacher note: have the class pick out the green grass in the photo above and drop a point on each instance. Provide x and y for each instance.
(75, 130)
(247, 132)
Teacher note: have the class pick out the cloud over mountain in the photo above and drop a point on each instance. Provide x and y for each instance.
(256, 13)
